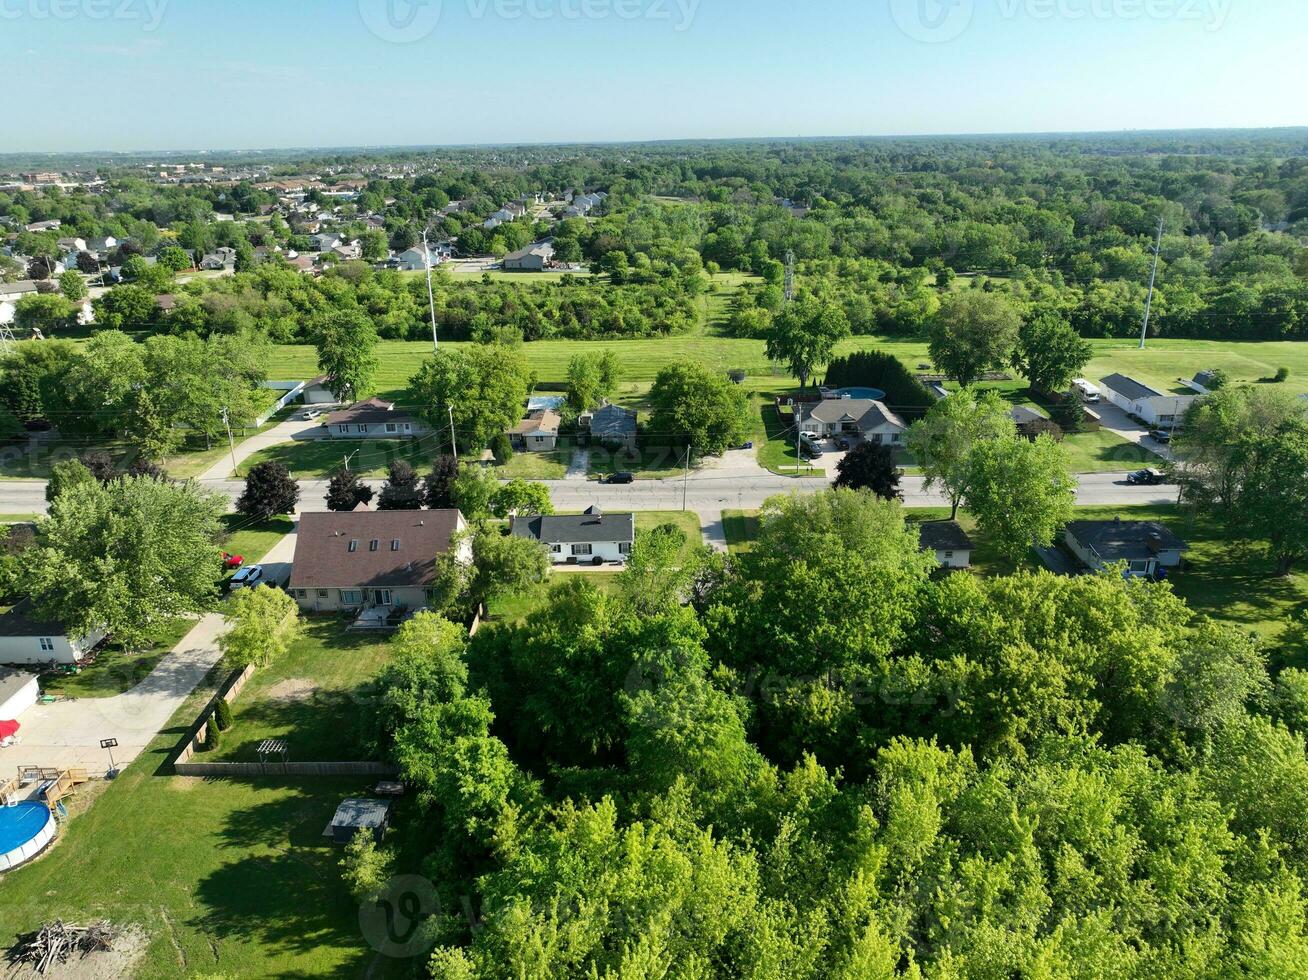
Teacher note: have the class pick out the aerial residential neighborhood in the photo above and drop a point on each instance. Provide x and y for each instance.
(529, 522)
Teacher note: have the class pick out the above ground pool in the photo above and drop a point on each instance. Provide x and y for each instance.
(25, 830)
(872, 394)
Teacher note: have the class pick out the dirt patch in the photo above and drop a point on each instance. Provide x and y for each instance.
(184, 784)
(291, 690)
(118, 964)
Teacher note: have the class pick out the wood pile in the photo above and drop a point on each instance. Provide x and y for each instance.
(57, 942)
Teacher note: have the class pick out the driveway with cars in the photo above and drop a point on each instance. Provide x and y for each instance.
(1116, 419)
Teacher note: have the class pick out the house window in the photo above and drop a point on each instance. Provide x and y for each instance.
(395, 545)
(894, 437)
(556, 548)
(351, 597)
(47, 644)
(362, 428)
(948, 555)
(876, 438)
(322, 593)
(342, 429)
(624, 547)
(408, 427)
(391, 428)
(354, 546)
(374, 544)
(581, 549)
(383, 597)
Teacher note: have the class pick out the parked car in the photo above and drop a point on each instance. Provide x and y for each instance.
(621, 478)
(1146, 478)
(247, 577)
(843, 443)
(1161, 435)
(811, 449)
(232, 561)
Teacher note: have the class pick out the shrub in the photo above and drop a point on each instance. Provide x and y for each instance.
(502, 448)
(1068, 414)
(877, 369)
(212, 738)
(1282, 374)
(222, 715)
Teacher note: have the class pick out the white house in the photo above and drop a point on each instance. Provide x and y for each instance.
(27, 640)
(591, 538)
(18, 692)
(950, 543)
(373, 419)
(859, 417)
(1145, 546)
(1151, 406)
(415, 259)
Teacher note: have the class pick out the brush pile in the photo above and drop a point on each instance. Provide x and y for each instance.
(57, 942)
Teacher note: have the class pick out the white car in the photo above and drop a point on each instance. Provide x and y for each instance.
(247, 577)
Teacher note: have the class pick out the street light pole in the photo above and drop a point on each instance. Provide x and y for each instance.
(231, 443)
(685, 480)
(431, 298)
(454, 445)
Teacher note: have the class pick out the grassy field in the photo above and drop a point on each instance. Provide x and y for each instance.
(320, 458)
(309, 697)
(536, 466)
(226, 878)
(253, 540)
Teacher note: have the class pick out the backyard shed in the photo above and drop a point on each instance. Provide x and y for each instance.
(355, 815)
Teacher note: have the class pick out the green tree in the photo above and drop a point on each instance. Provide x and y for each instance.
(805, 335)
(1020, 492)
(973, 332)
(1050, 353)
(693, 406)
(345, 491)
(262, 624)
(44, 312)
(945, 439)
(1273, 501)
(438, 488)
(402, 490)
(473, 490)
(127, 557)
(660, 570)
(518, 497)
(72, 286)
(66, 475)
(869, 466)
(366, 868)
(269, 490)
(346, 342)
(484, 385)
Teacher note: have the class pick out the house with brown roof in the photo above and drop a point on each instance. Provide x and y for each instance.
(368, 559)
(373, 419)
(538, 432)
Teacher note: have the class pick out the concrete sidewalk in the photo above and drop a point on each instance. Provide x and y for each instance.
(67, 734)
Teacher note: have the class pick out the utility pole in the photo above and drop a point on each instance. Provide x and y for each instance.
(454, 445)
(685, 479)
(1153, 278)
(431, 299)
(346, 459)
(231, 443)
(790, 276)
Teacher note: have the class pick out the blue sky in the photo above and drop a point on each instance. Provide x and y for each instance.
(205, 74)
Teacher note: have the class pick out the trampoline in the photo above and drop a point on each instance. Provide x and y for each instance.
(25, 830)
(870, 394)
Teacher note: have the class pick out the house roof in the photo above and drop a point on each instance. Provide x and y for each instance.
(541, 420)
(944, 536)
(544, 249)
(545, 401)
(20, 621)
(17, 288)
(1129, 387)
(612, 420)
(1023, 415)
(581, 528)
(323, 558)
(363, 413)
(1119, 540)
(13, 681)
(868, 414)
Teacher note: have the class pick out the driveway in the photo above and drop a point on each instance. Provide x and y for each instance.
(1118, 421)
(295, 429)
(67, 734)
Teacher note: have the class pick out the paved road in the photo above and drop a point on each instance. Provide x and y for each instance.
(706, 490)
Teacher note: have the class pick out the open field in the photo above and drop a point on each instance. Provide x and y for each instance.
(319, 458)
(310, 697)
(226, 878)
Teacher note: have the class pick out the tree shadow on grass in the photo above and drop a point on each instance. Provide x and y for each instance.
(319, 727)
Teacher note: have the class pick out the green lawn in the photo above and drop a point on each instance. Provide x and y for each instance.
(225, 878)
(777, 450)
(535, 466)
(519, 605)
(116, 669)
(740, 528)
(309, 697)
(253, 539)
(18, 518)
(316, 458)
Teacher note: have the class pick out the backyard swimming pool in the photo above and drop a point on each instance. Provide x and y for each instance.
(872, 394)
(25, 830)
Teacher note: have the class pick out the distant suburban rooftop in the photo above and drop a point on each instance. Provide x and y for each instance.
(1119, 540)
(1129, 387)
(612, 420)
(581, 528)
(1024, 416)
(540, 420)
(944, 536)
(371, 549)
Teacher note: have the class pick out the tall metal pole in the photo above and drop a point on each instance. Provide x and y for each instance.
(431, 299)
(454, 445)
(685, 480)
(231, 443)
(1153, 278)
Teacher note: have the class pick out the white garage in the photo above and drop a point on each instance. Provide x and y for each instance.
(18, 692)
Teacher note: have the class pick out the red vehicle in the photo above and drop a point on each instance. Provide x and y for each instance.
(232, 561)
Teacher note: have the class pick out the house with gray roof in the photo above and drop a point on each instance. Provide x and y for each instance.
(861, 418)
(611, 426)
(533, 258)
(25, 638)
(1153, 407)
(591, 538)
(1147, 547)
(949, 542)
(373, 419)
